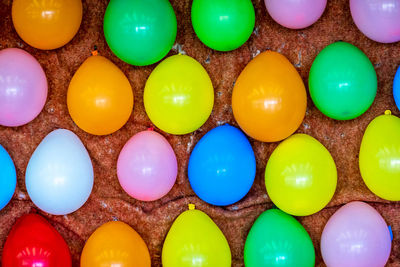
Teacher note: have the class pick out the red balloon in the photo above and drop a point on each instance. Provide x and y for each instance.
(33, 242)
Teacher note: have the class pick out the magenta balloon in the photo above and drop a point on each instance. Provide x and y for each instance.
(147, 166)
(356, 236)
(23, 87)
(379, 20)
(295, 14)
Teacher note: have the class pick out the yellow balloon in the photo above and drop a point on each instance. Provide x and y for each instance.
(47, 24)
(99, 98)
(379, 157)
(179, 95)
(195, 240)
(300, 176)
(115, 244)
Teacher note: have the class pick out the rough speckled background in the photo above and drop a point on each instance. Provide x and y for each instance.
(152, 220)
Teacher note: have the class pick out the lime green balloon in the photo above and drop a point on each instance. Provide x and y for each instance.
(223, 25)
(195, 240)
(278, 239)
(342, 81)
(380, 157)
(140, 32)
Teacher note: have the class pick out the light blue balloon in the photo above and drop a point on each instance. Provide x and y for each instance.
(396, 88)
(222, 166)
(8, 178)
(59, 176)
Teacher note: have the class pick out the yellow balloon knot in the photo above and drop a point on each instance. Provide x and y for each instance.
(191, 206)
(95, 53)
(388, 112)
(179, 54)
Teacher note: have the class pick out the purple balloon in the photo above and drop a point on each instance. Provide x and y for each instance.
(295, 14)
(356, 236)
(379, 20)
(23, 87)
(147, 166)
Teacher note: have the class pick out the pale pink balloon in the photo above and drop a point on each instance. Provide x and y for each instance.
(379, 20)
(295, 14)
(356, 236)
(147, 166)
(23, 87)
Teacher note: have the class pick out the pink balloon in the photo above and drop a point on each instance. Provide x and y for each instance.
(379, 20)
(147, 166)
(23, 87)
(295, 14)
(356, 236)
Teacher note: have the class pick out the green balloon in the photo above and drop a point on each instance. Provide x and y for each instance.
(278, 239)
(342, 81)
(223, 25)
(140, 32)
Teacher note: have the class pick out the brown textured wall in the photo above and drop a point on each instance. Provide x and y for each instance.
(152, 220)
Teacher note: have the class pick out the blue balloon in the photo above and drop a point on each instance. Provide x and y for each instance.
(222, 166)
(396, 88)
(8, 178)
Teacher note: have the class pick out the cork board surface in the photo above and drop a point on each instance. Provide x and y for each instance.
(153, 219)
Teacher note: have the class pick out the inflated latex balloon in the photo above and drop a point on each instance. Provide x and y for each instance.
(59, 176)
(100, 97)
(47, 24)
(23, 87)
(115, 244)
(223, 25)
(356, 236)
(342, 81)
(179, 95)
(195, 240)
(8, 177)
(147, 166)
(278, 239)
(222, 166)
(300, 176)
(33, 242)
(140, 32)
(295, 14)
(379, 20)
(269, 98)
(379, 157)
(396, 88)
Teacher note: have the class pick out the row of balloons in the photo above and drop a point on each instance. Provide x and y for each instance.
(356, 235)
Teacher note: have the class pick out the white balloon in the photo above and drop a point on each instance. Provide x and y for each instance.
(59, 176)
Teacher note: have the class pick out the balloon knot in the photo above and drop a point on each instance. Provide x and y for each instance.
(191, 206)
(179, 54)
(388, 112)
(95, 53)
(151, 128)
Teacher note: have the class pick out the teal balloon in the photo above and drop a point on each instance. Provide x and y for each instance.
(223, 25)
(140, 32)
(342, 81)
(8, 178)
(278, 239)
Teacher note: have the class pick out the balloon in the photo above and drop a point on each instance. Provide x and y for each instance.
(195, 240)
(278, 239)
(222, 166)
(223, 25)
(379, 20)
(115, 244)
(8, 177)
(59, 176)
(23, 87)
(269, 99)
(47, 24)
(356, 236)
(300, 176)
(100, 97)
(379, 157)
(179, 96)
(396, 88)
(295, 14)
(34, 242)
(147, 166)
(140, 32)
(342, 81)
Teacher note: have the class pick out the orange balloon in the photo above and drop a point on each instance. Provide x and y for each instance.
(269, 98)
(47, 24)
(100, 97)
(115, 244)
